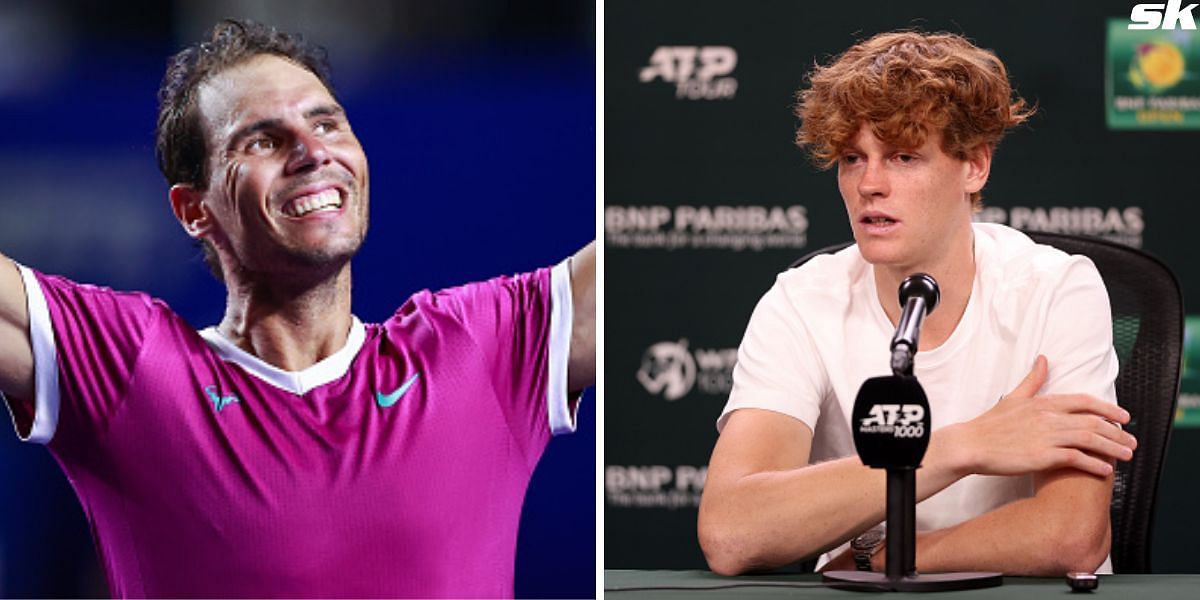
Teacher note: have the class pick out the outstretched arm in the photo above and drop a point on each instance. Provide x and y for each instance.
(16, 352)
(581, 369)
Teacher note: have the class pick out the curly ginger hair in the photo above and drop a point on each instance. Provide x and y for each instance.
(905, 85)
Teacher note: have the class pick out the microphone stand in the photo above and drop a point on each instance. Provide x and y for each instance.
(901, 456)
(902, 511)
(902, 491)
(900, 574)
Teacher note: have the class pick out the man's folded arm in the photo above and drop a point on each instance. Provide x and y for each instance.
(1067, 442)
(1064, 527)
(764, 506)
(16, 351)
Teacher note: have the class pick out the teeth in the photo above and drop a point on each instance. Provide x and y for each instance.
(326, 200)
(879, 220)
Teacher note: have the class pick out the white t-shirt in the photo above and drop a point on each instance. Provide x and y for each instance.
(820, 331)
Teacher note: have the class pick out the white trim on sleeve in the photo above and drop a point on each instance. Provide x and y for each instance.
(562, 315)
(45, 363)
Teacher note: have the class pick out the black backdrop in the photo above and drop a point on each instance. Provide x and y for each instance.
(707, 198)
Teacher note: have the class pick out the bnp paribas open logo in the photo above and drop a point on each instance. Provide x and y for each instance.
(1152, 78)
(1157, 67)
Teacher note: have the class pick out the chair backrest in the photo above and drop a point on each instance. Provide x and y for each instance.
(1147, 317)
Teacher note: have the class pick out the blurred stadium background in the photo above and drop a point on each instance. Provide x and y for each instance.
(478, 118)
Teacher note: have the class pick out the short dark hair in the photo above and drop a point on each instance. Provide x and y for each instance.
(180, 143)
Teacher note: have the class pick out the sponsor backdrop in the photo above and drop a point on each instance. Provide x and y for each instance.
(707, 199)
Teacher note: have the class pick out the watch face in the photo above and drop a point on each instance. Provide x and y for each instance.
(868, 540)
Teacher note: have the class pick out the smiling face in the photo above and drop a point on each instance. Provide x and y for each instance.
(287, 190)
(909, 208)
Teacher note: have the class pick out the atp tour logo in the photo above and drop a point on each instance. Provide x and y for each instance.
(1152, 16)
(698, 72)
(672, 370)
(900, 420)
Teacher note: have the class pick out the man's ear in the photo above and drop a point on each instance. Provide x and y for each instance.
(979, 166)
(187, 203)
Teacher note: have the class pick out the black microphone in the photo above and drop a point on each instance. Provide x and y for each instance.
(919, 295)
(891, 422)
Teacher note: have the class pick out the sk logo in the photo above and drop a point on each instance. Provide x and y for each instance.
(387, 400)
(220, 402)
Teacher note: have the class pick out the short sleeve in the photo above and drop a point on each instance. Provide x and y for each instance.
(86, 340)
(1078, 342)
(522, 326)
(778, 367)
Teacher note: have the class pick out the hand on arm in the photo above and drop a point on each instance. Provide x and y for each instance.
(581, 368)
(1068, 442)
(16, 353)
(1026, 432)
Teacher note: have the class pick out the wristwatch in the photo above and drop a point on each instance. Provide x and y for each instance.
(865, 546)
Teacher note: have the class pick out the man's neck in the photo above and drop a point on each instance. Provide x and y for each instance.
(289, 326)
(954, 272)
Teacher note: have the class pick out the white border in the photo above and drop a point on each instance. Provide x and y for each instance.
(599, 388)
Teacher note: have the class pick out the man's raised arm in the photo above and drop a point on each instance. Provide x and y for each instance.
(581, 368)
(16, 353)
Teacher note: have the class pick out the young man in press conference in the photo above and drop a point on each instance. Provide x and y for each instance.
(1017, 360)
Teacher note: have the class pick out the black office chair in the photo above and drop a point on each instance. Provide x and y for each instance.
(1147, 317)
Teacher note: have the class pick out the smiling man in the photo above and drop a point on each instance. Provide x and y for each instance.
(1017, 360)
(292, 450)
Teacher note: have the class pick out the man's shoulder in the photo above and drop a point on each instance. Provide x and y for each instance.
(1012, 256)
(460, 302)
(97, 300)
(1017, 275)
(825, 278)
